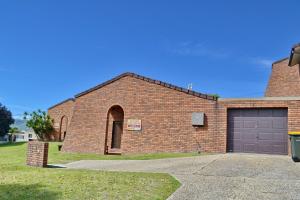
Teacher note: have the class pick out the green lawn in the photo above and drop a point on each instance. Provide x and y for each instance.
(18, 181)
(57, 157)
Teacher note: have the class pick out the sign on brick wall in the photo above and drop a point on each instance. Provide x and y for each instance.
(56, 125)
(134, 125)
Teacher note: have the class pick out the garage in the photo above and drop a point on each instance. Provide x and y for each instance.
(259, 130)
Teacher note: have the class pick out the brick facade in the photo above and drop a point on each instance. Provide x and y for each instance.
(165, 114)
(165, 111)
(61, 114)
(37, 154)
(284, 80)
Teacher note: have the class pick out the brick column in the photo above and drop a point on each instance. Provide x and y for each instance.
(37, 153)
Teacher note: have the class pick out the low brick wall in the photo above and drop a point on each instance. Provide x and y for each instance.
(37, 153)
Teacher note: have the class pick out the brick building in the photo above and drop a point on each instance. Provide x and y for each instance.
(284, 80)
(135, 114)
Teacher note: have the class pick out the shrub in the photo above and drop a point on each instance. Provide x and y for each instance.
(40, 122)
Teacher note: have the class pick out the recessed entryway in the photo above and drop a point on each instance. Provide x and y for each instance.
(259, 130)
(116, 134)
(63, 128)
(115, 118)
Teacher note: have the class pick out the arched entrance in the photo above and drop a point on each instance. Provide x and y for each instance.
(115, 119)
(63, 128)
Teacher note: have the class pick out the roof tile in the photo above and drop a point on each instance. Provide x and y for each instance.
(164, 84)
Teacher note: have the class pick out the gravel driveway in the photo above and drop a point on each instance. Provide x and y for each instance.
(224, 176)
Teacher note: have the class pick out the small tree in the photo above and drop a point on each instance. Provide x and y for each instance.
(5, 120)
(12, 132)
(40, 122)
(215, 95)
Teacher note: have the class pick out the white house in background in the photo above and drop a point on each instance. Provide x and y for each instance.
(4, 139)
(25, 136)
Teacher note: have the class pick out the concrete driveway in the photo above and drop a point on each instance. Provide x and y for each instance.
(224, 176)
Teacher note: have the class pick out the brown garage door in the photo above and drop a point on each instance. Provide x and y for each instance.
(257, 131)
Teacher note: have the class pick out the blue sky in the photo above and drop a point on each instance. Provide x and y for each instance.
(51, 50)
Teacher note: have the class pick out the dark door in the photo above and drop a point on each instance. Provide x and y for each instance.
(257, 131)
(116, 134)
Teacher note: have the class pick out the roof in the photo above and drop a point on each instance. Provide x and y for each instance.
(64, 101)
(296, 98)
(164, 84)
(281, 60)
(296, 45)
(295, 55)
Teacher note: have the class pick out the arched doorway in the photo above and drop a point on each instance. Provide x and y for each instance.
(63, 128)
(115, 120)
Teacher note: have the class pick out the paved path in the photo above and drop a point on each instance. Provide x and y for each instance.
(225, 176)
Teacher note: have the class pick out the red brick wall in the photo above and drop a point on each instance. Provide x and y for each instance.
(284, 80)
(37, 154)
(61, 114)
(165, 114)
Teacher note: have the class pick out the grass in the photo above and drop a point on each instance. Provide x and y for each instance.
(18, 181)
(57, 157)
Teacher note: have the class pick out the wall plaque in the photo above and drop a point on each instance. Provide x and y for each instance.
(134, 125)
(56, 125)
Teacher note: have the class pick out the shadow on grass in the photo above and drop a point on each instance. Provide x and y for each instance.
(12, 144)
(27, 192)
(52, 166)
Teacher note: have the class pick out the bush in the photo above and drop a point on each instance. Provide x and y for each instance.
(40, 122)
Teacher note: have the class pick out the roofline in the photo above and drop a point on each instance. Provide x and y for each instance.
(279, 61)
(289, 98)
(164, 84)
(291, 57)
(296, 45)
(64, 101)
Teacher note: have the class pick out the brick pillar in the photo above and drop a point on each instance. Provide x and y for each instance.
(37, 153)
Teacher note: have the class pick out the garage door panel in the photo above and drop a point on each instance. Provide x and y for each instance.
(279, 112)
(247, 130)
(279, 137)
(280, 149)
(236, 136)
(257, 131)
(249, 113)
(265, 148)
(236, 113)
(273, 148)
(249, 148)
(252, 136)
(250, 124)
(236, 124)
(265, 113)
(265, 136)
(279, 124)
(264, 124)
(237, 147)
